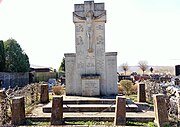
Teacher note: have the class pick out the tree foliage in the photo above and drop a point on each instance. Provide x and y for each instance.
(143, 65)
(151, 69)
(16, 58)
(62, 66)
(127, 85)
(125, 67)
(2, 57)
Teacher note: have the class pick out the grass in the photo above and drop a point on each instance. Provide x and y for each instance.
(92, 123)
(130, 123)
(30, 123)
(132, 97)
(89, 123)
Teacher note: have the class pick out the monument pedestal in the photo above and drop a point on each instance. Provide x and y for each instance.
(90, 85)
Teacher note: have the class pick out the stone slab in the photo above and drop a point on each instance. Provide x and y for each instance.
(90, 87)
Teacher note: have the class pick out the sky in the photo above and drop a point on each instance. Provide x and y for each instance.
(137, 29)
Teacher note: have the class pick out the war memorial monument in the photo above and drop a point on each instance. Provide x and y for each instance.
(90, 71)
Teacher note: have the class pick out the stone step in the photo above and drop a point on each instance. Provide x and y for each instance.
(92, 105)
(97, 101)
(90, 108)
(96, 116)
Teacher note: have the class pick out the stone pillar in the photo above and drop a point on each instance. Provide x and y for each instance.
(57, 111)
(178, 104)
(120, 111)
(18, 111)
(160, 109)
(141, 93)
(44, 97)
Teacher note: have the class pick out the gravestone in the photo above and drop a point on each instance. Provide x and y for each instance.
(57, 111)
(177, 70)
(120, 111)
(90, 71)
(178, 104)
(160, 109)
(44, 95)
(141, 93)
(18, 111)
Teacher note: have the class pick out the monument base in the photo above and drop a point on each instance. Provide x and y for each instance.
(90, 85)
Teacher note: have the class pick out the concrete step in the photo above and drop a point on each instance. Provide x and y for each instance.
(99, 105)
(91, 108)
(96, 116)
(97, 101)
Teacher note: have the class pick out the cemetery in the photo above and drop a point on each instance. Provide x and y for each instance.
(92, 95)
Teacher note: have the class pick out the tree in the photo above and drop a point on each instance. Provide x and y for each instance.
(143, 65)
(151, 69)
(2, 57)
(62, 66)
(127, 85)
(16, 59)
(125, 67)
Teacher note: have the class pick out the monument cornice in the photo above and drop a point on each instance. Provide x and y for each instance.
(70, 54)
(111, 53)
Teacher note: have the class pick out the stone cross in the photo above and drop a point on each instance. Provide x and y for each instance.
(89, 16)
(90, 67)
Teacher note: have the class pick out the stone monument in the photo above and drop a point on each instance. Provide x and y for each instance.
(90, 71)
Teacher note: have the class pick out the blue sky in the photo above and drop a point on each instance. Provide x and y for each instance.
(136, 29)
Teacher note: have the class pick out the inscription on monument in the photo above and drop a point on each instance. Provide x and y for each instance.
(79, 28)
(111, 62)
(90, 87)
(100, 64)
(80, 65)
(100, 39)
(79, 40)
(80, 53)
(100, 52)
(99, 27)
(90, 65)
